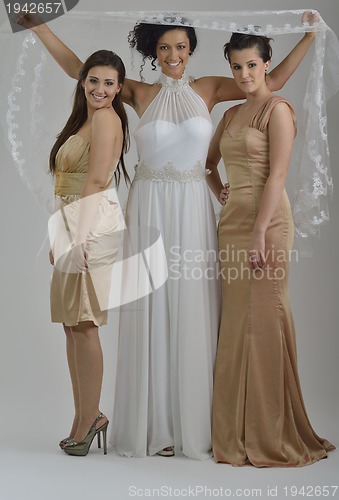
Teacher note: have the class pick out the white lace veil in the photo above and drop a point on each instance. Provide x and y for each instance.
(35, 103)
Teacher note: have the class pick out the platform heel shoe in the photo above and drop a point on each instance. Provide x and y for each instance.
(81, 449)
(64, 441)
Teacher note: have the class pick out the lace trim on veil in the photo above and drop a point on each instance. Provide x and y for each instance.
(314, 179)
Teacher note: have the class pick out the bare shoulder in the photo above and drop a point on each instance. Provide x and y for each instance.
(139, 87)
(106, 120)
(212, 80)
(105, 115)
(282, 110)
(140, 93)
(206, 87)
(215, 89)
(206, 83)
(282, 117)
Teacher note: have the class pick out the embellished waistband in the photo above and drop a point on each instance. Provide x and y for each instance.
(170, 174)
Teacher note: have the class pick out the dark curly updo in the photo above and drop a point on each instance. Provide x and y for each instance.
(144, 38)
(240, 41)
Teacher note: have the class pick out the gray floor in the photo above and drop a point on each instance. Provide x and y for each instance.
(33, 468)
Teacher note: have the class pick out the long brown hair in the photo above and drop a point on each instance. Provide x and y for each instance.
(79, 112)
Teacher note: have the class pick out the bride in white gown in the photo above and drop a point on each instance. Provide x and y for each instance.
(168, 340)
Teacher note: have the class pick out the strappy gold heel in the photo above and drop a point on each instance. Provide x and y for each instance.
(64, 441)
(81, 449)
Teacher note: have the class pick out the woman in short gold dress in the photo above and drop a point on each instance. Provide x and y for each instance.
(259, 416)
(84, 158)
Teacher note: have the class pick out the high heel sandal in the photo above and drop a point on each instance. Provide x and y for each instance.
(166, 452)
(64, 441)
(81, 449)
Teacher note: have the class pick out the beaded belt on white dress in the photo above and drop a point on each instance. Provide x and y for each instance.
(170, 174)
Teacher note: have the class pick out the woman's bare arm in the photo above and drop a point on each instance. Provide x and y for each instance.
(132, 91)
(219, 89)
(63, 55)
(277, 78)
(105, 130)
(280, 125)
(213, 158)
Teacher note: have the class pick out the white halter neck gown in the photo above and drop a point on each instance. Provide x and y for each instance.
(167, 340)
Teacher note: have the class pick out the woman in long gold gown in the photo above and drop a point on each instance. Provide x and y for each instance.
(259, 416)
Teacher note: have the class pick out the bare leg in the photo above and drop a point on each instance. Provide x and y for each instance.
(89, 370)
(70, 349)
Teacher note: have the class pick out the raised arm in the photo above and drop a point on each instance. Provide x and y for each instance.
(277, 78)
(63, 55)
(132, 91)
(280, 125)
(215, 89)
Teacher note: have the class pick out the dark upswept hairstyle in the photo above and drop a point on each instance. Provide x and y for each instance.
(79, 112)
(240, 41)
(144, 38)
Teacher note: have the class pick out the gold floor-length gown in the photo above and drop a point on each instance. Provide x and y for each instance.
(259, 416)
(77, 297)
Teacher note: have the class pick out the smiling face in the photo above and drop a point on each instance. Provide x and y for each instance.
(248, 69)
(101, 86)
(173, 50)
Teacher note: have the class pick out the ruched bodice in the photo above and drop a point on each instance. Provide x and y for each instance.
(72, 162)
(73, 156)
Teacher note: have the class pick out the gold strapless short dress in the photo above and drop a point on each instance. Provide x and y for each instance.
(77, 297)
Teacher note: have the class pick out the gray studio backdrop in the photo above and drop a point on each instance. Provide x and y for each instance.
(33, 374)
